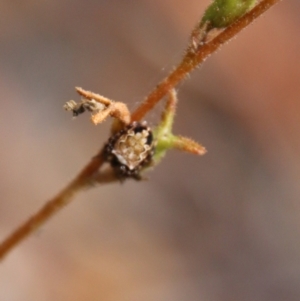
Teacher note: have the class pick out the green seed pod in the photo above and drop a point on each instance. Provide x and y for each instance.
(222, 13)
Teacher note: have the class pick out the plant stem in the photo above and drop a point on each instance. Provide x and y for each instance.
(89, 175)
(83, 180)
(193, 59)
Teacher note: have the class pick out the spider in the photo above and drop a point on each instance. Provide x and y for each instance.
(130, 150)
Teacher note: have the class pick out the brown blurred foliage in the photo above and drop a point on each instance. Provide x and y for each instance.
(221, 227)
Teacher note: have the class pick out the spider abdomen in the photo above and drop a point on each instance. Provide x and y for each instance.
(130, 149)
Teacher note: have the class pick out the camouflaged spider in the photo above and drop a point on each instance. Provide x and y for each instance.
(130, 150)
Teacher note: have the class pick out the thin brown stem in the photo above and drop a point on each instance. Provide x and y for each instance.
(106, 176)
(193, 59)
(89, 173)
(83, 180)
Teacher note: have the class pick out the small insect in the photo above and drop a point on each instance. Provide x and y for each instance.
(129, 150)
(84, 105)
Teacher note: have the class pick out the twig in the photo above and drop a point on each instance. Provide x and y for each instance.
(88, 176)
(83, 180)
(193, 59)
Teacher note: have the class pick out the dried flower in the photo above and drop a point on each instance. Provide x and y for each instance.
(100, 107)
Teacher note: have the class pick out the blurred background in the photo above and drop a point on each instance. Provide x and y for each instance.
(222, 227)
